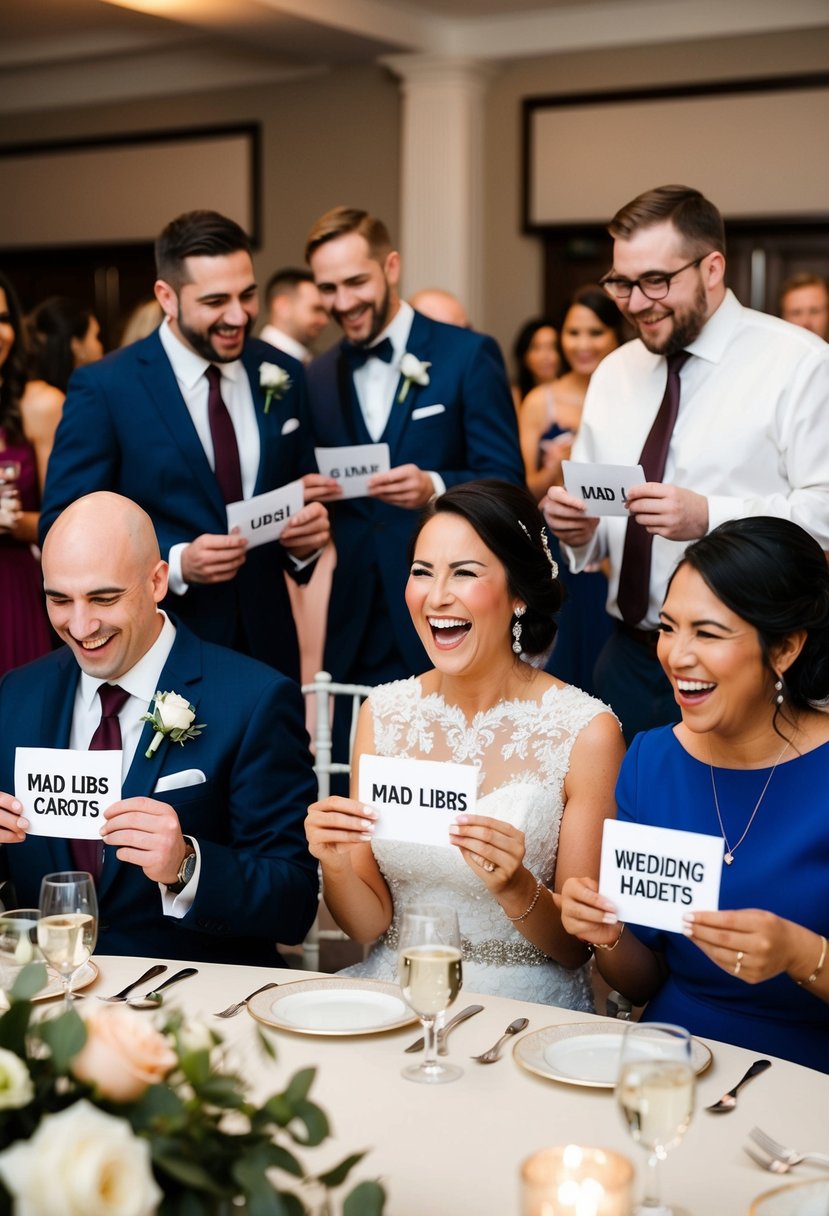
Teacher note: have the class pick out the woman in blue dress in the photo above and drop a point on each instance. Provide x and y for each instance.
(745, 642)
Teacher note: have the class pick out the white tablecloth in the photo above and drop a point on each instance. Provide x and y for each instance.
(456, 1149)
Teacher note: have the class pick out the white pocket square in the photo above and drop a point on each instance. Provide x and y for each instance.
(290, 424)
(179, 781)
(426, 411)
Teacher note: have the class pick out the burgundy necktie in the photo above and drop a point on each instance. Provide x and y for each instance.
(635, 574)
(225, 449)
(89, 854)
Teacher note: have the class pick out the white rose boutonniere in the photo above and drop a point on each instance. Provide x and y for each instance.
(80, 1161)
(413, 372)
(174, 716)
(275, 381)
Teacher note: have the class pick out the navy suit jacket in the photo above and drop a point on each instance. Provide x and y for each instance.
(125, 427)
(258, 883)
(461, 425)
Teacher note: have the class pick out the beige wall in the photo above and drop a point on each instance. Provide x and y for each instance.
(334, 138)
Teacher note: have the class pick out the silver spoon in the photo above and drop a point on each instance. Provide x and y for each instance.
(489, 1057)
(729, 1101)
(151, 1000)
(157, 970)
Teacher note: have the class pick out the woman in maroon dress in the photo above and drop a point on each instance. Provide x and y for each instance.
(24, 628)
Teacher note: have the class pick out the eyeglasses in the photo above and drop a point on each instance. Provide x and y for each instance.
(653, 286)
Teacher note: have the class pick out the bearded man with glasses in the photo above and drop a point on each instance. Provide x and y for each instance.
(726, 409)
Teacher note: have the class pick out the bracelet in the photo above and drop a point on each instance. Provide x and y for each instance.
(602, 946)
(539, 887)
(810, 979)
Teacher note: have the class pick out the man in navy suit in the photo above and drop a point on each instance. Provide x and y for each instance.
(150, 423)
(436, 394)
(204, 855)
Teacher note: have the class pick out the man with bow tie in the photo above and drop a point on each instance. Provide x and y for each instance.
(437, 395)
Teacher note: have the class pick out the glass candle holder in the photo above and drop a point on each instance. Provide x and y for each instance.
(572, 1180)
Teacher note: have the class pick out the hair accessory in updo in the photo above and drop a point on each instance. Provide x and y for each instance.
(545, 546)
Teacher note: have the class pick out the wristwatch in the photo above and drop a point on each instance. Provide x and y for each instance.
(185, 871)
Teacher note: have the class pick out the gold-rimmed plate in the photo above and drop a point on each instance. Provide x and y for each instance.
(584, 1053)
(334, 1006)
(87, 974)
(796, 1199)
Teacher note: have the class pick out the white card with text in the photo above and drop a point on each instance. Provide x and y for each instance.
(65, 792)
(603, 487)
(654, 876)
(417, 800)
(261, 519)
(352, 466)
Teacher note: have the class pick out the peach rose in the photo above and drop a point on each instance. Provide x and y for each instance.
(122, 1055)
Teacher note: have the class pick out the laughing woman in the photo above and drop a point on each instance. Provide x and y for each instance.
(745, 643)
(482, 590)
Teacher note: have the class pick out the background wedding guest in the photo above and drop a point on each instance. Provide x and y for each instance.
(440, 305)
(482, 590)
(296, 316)
(548, 422)
(744, 642)
(178, 422)
(804, 300)
(537, 358)
(203, 856)
(732, 405)
(142, 321)
(446, 415)
(24, 629)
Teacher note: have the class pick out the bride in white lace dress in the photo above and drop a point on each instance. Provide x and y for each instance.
(482, 592)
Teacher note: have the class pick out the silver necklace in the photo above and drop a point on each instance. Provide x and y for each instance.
(729, 852)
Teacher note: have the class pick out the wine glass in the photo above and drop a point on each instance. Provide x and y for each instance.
(18, 944)
(655, 1092)
(430, 973)
(68, 925)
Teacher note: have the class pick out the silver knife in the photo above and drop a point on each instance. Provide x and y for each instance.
(469, 1012)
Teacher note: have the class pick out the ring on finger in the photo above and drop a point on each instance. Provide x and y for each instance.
(739, 962)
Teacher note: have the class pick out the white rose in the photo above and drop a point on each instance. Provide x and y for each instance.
(272, 376)
(81, 1162)
(411, 368)
(196, 1036)
(16, 1088)
(175, 713)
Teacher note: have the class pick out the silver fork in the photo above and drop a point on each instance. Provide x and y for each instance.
(232, 1010)
(784, 1155)
(158, 969)
(489, 1057)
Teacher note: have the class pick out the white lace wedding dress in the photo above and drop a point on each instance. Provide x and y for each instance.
(522, 751)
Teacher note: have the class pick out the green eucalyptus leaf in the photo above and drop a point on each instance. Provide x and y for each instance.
(265, 1043)
(30, 980)
(191, 1173)
(299, 1085)
(64, 1036)
(367, 1199)
(13, 1027)
(338, 1175)
(315, 1122)
(278, 1110)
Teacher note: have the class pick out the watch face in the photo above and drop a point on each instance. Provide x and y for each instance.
(187, 869)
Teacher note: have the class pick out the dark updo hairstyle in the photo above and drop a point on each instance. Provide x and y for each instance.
(13, 371)
(52, 326)
(773, 575)
(496, 510)
(525, 380)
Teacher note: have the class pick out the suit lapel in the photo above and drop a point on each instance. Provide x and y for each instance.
(266, 476)
(401, 411)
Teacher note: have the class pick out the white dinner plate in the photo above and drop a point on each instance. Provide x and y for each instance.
(336, 1006)
(584, 1053)
(86, 975)
(796, 1199)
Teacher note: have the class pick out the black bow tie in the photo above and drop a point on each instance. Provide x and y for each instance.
(358, 355)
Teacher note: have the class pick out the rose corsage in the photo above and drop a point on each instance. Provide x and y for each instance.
(275, 381)
(172, 716)
(413, 371)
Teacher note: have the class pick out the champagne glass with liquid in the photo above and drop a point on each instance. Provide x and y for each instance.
(68, 925)
(18, 944)
(655, 1093)
(430, 973)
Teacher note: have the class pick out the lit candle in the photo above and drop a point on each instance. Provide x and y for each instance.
(576, 1181)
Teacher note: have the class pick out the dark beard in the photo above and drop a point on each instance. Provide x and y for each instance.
(379, 320)
(686, 329)
(201, 344)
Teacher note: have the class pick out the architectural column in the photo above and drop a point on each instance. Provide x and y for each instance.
(442, 174)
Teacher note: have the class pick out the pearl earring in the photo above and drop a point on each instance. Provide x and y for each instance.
(778, 688)
(516, 630)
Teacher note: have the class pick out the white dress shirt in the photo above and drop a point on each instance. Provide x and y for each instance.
(142, 683)
(282, 341)
(189, 370)
(752, 432)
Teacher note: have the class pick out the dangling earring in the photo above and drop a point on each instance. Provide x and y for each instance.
(778, 688)
(516, 630)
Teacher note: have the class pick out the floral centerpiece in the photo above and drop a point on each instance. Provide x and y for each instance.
(109, 1115)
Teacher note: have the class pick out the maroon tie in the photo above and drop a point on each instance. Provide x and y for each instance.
(225, 448)
(635, 574)
(89, 854)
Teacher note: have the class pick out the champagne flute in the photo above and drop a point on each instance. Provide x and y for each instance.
(655, 1093)
(68, 925)
(18, 944)
(430, 974)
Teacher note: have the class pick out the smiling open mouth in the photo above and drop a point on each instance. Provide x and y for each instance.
(448, 631)
(691, 689)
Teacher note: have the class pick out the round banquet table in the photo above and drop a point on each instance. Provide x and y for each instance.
(452, 1149)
